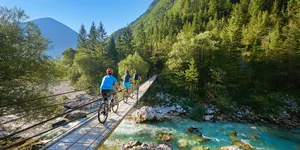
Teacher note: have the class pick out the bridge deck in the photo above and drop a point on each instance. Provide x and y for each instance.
(91, 134)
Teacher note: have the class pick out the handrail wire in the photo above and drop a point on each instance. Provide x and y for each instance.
(44, 107)
(21, 141)
(54, 117)
(28, 100)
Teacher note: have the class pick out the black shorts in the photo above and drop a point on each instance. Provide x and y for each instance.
(107, 93)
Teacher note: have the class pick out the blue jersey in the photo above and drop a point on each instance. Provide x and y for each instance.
(127, 77)
(108, 82)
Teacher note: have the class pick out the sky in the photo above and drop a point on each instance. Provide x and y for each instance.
(114, 14)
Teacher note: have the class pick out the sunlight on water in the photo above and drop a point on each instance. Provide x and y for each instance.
(261, 137)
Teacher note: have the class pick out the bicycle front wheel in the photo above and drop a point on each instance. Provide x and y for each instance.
(103, 113)
(114, 104)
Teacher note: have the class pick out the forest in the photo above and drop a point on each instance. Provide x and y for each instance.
(210, 51)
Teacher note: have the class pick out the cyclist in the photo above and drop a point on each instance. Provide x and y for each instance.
(107, 84)
(137, 79)
(126, 83)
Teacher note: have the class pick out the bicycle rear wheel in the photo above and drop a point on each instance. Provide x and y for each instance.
(114, 104)
(125, 98)
(137, 93)
(103, 113)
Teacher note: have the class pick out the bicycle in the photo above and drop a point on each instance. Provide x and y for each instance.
(125, 97)
(136, 91)
(105, 108)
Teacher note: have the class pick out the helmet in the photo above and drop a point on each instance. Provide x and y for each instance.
(127, 71)
(109, 71)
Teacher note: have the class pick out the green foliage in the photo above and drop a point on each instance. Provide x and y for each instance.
(132, 63)
(89, 67)
(216, 90)
(68, 57)
(197, 112)
(102, 35)
(25, 69)
(191, 54)
(82, 37)
(265, 103)
(93, 35)
(63, 98)
(112, 50)
(125, 43)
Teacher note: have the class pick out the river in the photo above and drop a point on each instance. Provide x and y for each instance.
(260, 137)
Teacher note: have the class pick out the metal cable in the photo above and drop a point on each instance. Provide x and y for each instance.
(16, 143)
(19, 142)
(21, 102)
(53, 117)
(44, 107)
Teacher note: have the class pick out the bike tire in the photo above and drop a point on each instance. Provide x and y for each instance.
(125, 98)
(114, 104)
(103, 113)
(137, 94)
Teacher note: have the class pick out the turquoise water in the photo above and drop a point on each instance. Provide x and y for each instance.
(260, 137)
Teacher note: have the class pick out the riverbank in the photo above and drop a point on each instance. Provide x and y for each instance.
(170, 125)
(286, 116)
(219, 135)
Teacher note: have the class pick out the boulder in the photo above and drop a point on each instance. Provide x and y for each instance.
(200, 148)
(143, 114)
(242, 144)
(208, 117)
(194, 130)
(165, 137)
(3, 133)
(136, 145)
(131, 144)
(233, 147)
(232, 133)
(76, 115)
(182, 143)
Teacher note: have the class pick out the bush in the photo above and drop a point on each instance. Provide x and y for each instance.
(264, 103)
(197, 112)
(63, 98)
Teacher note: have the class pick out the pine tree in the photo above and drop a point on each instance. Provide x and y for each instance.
(82, 37)
(112, 50)
(141, 42)
(119, 47)
(93, 35)
(127, 41)
(102, 35)
(212, 8)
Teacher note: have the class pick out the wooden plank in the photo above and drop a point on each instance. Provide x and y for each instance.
(91, 134)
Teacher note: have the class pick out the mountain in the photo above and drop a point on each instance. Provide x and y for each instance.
(60, 35)
(136, 22)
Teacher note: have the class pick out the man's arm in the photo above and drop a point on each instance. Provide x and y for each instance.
(118, 86)
(140, 78)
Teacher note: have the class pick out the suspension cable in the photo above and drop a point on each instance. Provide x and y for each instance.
(54, 117)
(38, 108)
(21, 141)
(28, 100)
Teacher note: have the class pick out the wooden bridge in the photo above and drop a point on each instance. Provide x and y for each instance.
(91, 134)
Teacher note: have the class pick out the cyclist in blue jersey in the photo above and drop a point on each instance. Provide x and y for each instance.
(126, 83)
(107, 84)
